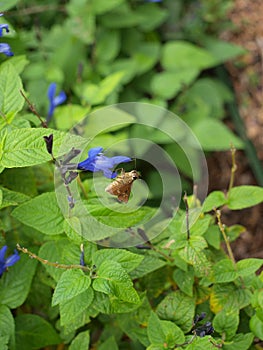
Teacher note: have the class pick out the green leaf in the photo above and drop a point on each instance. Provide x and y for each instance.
(247, 267)
(112, 279)
(168, 84)
(131, 323)
(6, 5)
(201, 344)
(129, 261)
(71, 283)
(107, 119)
(256, 326)
(212, 236)
(20, 180)
(101, 6)
(69, 115)
(121, 219)
(153, 16)
(234, 231)
(110, 343)
(19, 63)
(12, 198)
(110, 304)
(201, 225)
(122, 17)
(15, 284)
(240, 342)
(41, 213)
(81, 341)
(11, 100)
(206, 97)
(71, 308)
(179, 55)
(215, 199)
(215, 136)
(33, 332)
(107, 45)
(53, 252)
(184, 280)
(148, 264)
(97, 94)
(222, 50)
(146, 56)
(164, 333)
(226, 321)
(241, 197)
(224, 271)
(179, 308)
(7, 325)
(26, 147)
(230, 296)
(192, 253)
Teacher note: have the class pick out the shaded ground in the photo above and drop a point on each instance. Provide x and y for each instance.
(247, 77)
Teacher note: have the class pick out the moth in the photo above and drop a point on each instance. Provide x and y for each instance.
(121, 186)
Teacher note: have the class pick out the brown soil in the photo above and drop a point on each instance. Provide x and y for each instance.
(247, 78)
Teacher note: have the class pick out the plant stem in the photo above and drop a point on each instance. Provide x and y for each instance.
(233, 168)
(187, 216)
(222, 230)
(33, 110)
(54, 264)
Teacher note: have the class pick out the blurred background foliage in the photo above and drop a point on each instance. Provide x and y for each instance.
(104, 52)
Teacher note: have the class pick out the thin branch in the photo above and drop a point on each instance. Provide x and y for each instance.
(33, 110)
(82, 187)
(54, 264)
(36, 9)
(222, 230)
(187, 342)
(233, 168)
(187, 215)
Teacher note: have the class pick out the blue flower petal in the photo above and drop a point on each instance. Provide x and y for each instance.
(86, 165)
(12, 259)
(51, 91)
(109, 174)
(6, 49)
(93, 152)
(120, 159)
(2, 253)
(58, 100)
(3, 26)
(54, 100)
(96, 161)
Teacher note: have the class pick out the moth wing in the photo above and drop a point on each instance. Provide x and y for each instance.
(111, 189)
(125, 194)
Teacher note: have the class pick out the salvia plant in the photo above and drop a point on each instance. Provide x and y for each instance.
(88, 96)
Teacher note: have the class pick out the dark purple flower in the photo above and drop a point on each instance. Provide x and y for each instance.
(7, 262)
(54, 100)
(206, 329)
(96, 161)
(49, 143)
(153, 0)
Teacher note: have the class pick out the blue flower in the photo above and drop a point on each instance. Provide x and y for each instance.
(96, 161)
(6, 262)
(6, 49)
(3, 26)
(54, 100)
(153, 0)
